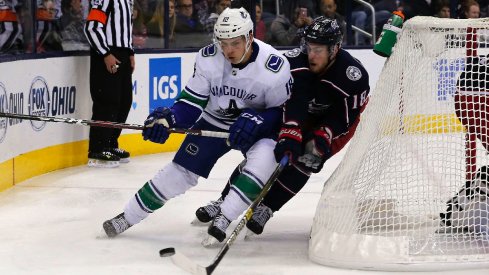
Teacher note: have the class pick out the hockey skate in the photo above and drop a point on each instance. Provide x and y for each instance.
(103, 159)
(122, 154)
(260, 217)
(217, 230)
(116, 225)
(206, 213)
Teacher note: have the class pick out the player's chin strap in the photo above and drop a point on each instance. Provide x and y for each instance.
(248, 46)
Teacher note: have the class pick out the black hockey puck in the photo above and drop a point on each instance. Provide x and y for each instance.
(167, 252)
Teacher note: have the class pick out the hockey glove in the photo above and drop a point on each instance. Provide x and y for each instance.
(317, 150)
(246, 130)
(157, 124)
(289, 143)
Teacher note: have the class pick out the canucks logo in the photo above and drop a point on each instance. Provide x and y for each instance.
(209, 50)
(274, 63)
(39, 101)
(3, 109)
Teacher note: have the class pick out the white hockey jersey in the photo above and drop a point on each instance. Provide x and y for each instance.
(263, 83)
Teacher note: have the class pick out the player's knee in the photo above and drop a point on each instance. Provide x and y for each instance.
(174, 180)
(261, 160)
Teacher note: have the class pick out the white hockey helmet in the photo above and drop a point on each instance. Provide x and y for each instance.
(233, 23)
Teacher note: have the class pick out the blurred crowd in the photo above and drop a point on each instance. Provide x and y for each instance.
(58, 24)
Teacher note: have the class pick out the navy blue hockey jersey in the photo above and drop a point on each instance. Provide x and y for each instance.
(333, 100)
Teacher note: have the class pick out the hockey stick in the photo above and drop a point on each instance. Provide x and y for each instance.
(188, 265)
(117, 125)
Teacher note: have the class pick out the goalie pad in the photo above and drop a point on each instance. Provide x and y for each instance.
(468, 210)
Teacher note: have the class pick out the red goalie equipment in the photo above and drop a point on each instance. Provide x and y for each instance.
(472, 107)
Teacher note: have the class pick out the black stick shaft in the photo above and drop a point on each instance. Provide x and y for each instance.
(109, 124)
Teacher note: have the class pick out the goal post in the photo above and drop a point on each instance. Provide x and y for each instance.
(411, 153)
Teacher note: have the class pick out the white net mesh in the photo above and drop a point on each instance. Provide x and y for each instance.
(410, 155)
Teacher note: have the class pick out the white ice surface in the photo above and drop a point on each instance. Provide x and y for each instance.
(51, 224)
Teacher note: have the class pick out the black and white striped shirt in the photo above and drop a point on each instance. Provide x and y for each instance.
(109, 24)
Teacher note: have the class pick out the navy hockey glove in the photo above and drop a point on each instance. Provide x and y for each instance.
(289, 143)
(157, 124)
(317, 151)
(246, 130)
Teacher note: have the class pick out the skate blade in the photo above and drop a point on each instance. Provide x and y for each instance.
(196, 222)
(102, 163)
(125, 160)
(210, 242)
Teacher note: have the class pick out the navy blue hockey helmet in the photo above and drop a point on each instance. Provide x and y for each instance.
(324, 31)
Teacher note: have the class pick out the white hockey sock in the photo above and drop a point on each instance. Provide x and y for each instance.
(169, 182)
(133, 213)
(233, 205)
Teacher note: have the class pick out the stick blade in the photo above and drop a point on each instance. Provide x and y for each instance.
(186, 264)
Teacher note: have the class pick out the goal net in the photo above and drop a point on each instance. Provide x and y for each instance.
(411, 153)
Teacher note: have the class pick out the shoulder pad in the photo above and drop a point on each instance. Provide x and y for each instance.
(274, 63)
(209, 50)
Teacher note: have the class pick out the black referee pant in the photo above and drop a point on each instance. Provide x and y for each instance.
(112, 98)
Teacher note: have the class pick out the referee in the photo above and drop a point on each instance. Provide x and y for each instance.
(109, 32)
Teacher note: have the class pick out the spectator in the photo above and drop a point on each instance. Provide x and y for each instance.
(139, 31)
(362, 18)
(471, 9)
(218, 7)
(72, 24)
(156, 26)
(442, 9)
(186, 21)
(202, 8)
(10, 27)
(286, 26)
(412, 8)
(261, 28)
(328, 9)
(48, 34)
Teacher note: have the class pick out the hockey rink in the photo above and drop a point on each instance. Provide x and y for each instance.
(52, 224)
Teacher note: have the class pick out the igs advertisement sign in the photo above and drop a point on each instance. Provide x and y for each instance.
(164, 81)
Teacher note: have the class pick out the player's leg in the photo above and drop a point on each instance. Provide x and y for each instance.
(260, 163)
(206, 213)
(125, 73)
(288, 184)
(196, 157)
(473, 113)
